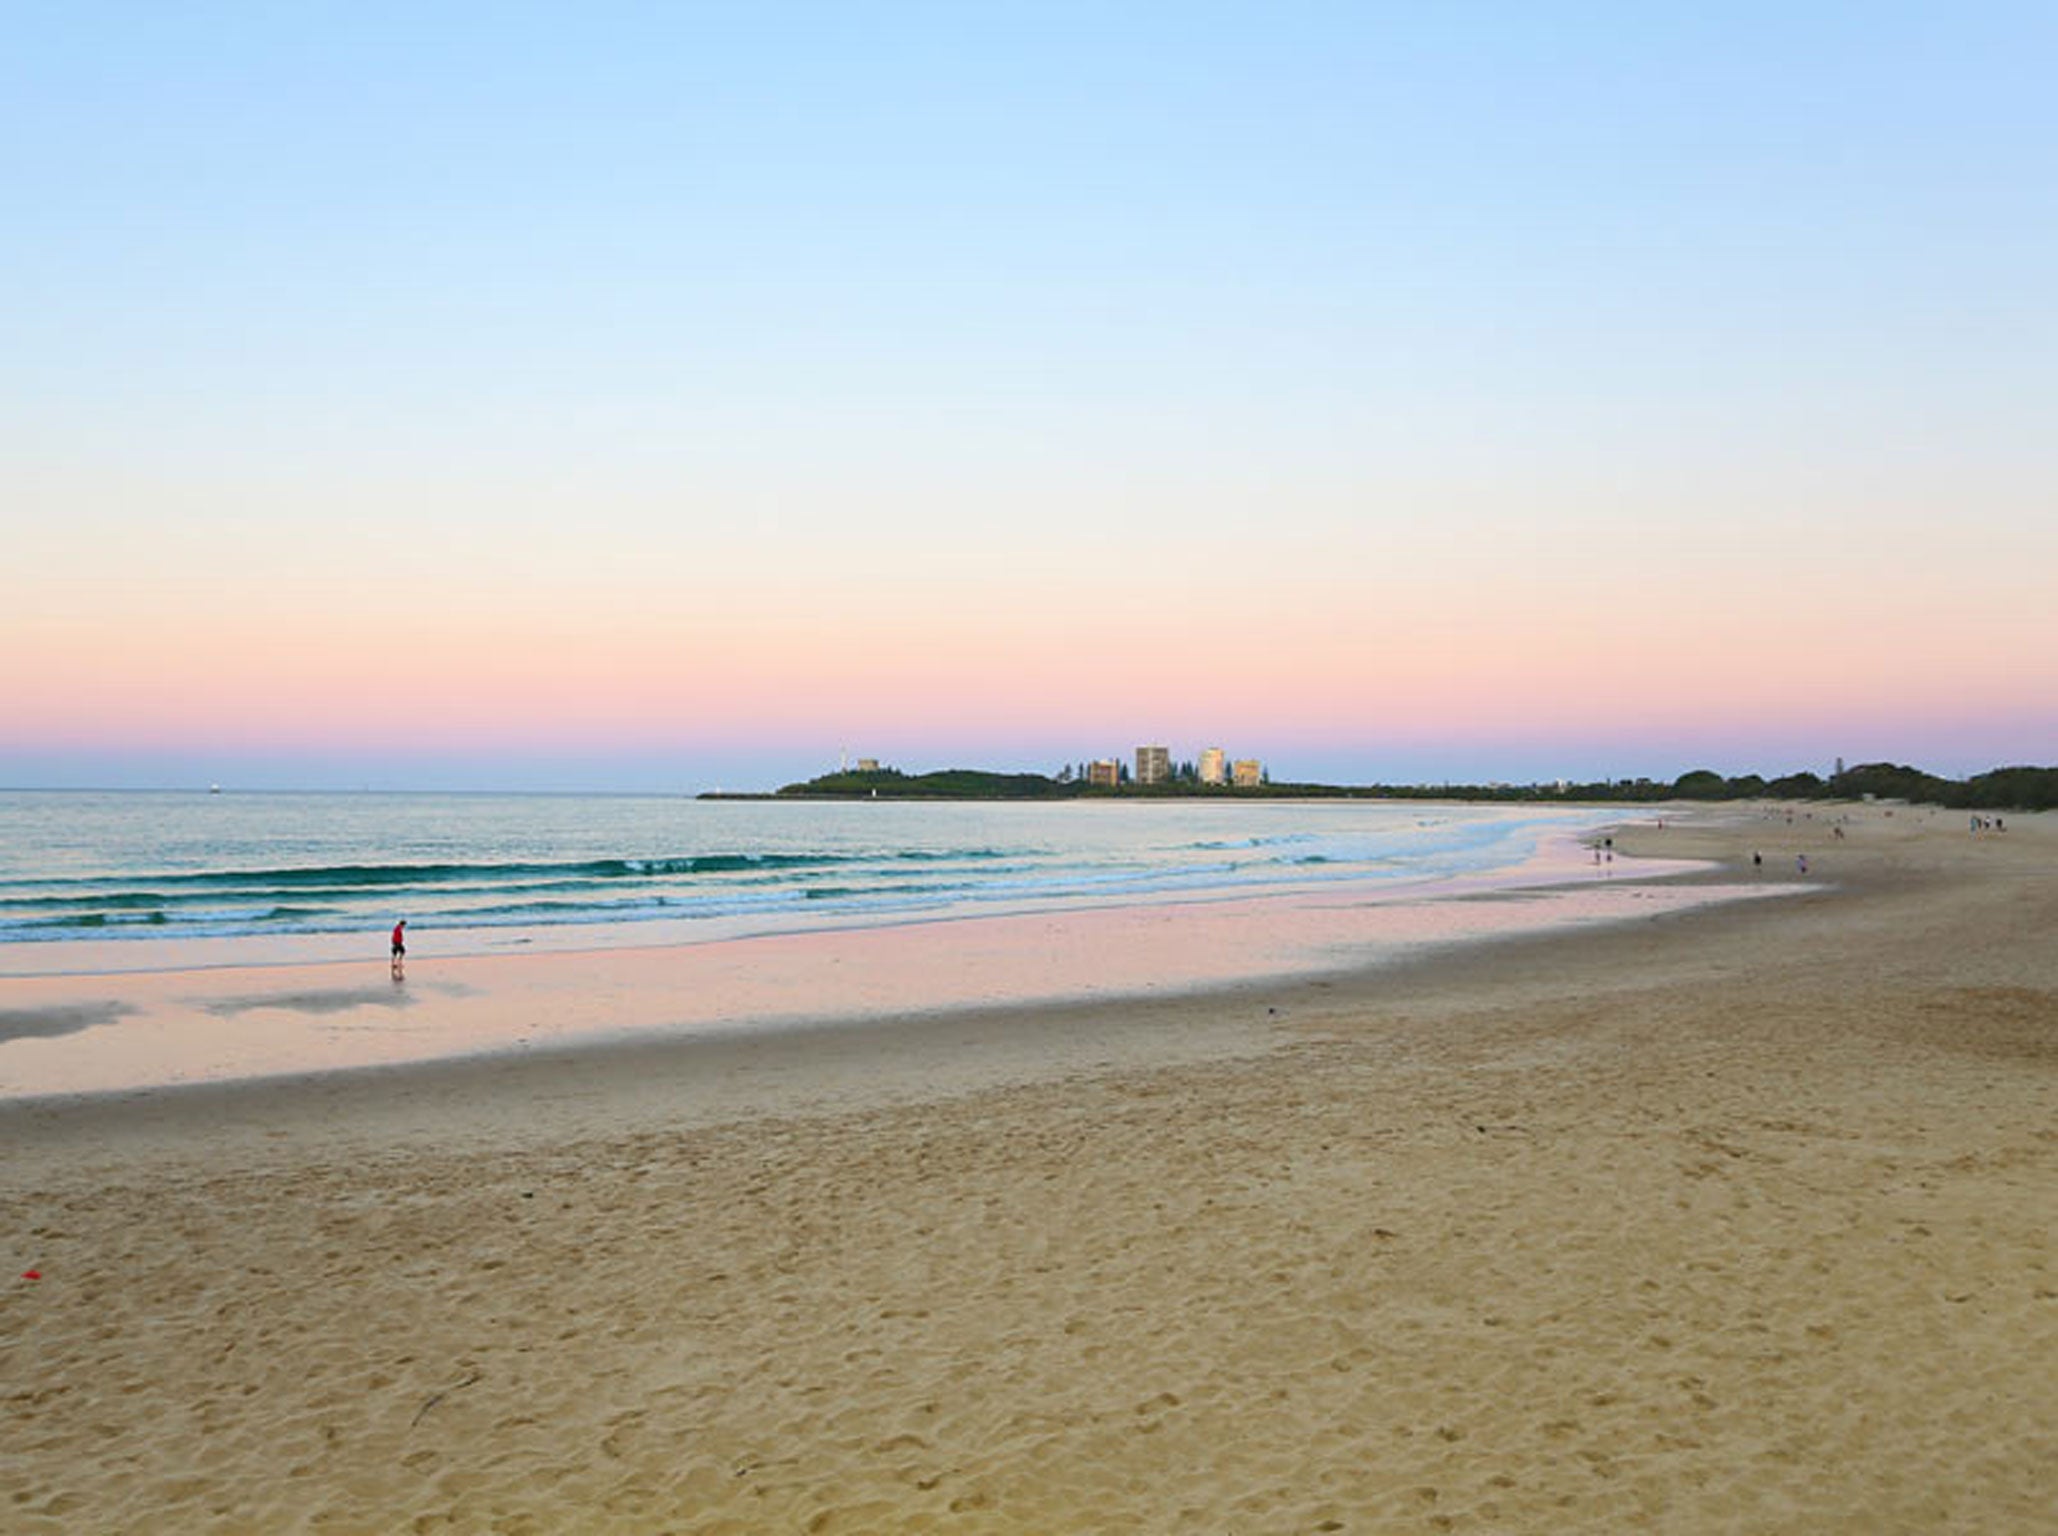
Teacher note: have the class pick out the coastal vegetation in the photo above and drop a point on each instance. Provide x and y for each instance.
(2000, 789)
(947, 784)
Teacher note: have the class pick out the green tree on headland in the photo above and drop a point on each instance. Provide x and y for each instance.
(1701, 784)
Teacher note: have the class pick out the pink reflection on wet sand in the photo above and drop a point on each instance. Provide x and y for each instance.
(211, 1025)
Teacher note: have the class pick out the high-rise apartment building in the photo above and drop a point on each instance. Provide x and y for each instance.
(1104, 773)
(1153, 765)
(1214, 766)
(1249, 773)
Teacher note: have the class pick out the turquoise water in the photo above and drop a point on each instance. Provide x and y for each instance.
(478, 871)
(155, 939)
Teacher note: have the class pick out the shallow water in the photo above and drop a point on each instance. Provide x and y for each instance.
(115, 882)
(124, 1031)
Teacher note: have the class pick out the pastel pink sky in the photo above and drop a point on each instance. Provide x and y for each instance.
(1356, 650)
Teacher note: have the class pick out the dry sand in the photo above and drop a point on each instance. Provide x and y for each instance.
(1732, 1220)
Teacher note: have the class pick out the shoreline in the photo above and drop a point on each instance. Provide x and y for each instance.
(1739, 1219)
(140, 952)
(167, 1029)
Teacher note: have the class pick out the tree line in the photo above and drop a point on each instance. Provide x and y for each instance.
(2000, 789)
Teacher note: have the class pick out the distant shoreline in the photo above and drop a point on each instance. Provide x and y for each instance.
(2002, 789)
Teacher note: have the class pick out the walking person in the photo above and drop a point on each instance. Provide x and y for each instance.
(399, 948)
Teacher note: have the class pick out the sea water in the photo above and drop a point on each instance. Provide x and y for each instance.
(152, 940)
(93, 882)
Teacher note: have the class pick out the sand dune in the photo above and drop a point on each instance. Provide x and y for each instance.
(1732, 1220)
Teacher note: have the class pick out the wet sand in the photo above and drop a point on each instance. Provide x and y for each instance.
(185, 1020)
(1732, 1219)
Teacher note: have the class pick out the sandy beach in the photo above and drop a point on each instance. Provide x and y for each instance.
(1729, 1219)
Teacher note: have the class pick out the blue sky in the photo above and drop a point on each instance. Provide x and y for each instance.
(1549, 389)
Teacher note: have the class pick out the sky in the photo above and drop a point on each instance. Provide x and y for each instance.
(671, 397)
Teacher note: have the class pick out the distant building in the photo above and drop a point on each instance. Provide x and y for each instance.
(1248, 773)
(1153, 765)
(868, 765)
(1214, 766)
(1104, 773)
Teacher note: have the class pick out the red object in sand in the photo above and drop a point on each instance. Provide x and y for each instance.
(32, 1274)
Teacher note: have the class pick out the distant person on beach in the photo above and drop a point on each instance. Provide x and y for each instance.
(399, 946)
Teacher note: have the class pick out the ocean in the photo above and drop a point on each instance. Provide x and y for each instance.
(127, 881)
(151, 940)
